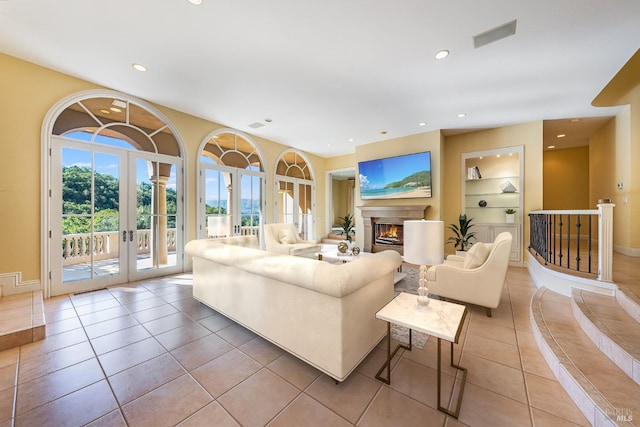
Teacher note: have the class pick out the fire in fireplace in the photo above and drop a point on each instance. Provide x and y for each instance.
(388, 234)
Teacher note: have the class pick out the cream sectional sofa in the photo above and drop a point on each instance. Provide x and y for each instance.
(322, 313)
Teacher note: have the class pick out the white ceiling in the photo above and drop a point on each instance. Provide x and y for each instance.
(327, 71)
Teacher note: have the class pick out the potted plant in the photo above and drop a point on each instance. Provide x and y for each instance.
(510, 216)
(462, 232)
(348, 225)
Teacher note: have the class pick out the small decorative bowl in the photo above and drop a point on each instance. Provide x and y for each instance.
(482, 203)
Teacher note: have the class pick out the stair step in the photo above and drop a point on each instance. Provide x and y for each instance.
(629, 299)
(605, 394)
(21, 319)
(610, 328)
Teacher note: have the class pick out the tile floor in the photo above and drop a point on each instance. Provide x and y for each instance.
(148, 354)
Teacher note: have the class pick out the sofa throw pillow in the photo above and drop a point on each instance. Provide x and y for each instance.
(286, 237)
(476, 256)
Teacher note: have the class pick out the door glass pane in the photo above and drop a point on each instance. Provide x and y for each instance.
(156, 209)
(217, 214)
(304, 208)
(250, 206)
(286, 202)
(90, 214)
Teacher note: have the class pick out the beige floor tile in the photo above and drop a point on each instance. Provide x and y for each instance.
(6, 404)
(481, 407)
(119, 339)
(8, 376)
(56, 315)
(130, 355)
(420, 382)
(182, 335)
(216, 322)
(374, 361)
(390, 408)
(261, 350)
(97, 306)
(493, 350)
(493, 331)
(78, 408)
(543, 419)
(47, 388)
(52, 343)
(102, 315)
(145, 377)
(155, 313)
(9, 357)
(211, 415)
(60, 326)
(222, 374)
(112, 419)
(236, 335)
(135, 305)
(532, 360)
(496, 377)
(53, 361)
(160, 406)
(294, 370)
(109, 326)
(549, 396)
(348, 399)
(167, 323)
(305, 411)
(265, 394)
(200, 351)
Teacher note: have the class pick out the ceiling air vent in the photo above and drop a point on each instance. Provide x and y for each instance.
(256, 125)
(494, 34)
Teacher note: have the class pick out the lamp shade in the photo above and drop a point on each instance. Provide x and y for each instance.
(423, 242)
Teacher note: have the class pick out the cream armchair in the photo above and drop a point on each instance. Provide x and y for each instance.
(284, 239)
(477, 278)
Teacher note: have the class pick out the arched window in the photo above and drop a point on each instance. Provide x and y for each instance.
(232, 186)
(115, 172)
(295, 188)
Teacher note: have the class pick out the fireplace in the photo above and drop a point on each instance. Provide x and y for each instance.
(383, 225)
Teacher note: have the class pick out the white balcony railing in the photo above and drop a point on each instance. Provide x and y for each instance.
(81, 247)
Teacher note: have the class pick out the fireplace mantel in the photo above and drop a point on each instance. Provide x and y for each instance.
(371, 214)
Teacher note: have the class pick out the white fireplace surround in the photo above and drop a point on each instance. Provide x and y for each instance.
(389, 215)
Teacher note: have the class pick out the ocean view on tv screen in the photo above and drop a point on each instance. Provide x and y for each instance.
(400, 177)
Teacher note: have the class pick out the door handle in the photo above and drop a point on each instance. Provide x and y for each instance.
(131, 235)
(124, 236)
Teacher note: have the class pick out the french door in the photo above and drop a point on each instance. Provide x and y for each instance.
(231, 201)
(295, 204)
(115, 216)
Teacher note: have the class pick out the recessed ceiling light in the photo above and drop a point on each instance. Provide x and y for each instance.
(196, 2)
(461, 115)
(574, 120)
(441, 54)
(328, 145)
(562, 135)
(268, 120)
(422, 124)
(551, 146)
(103, 111)
(497, 155)
(350, 139)
(383, 132)
(139, 67)
(115, 110)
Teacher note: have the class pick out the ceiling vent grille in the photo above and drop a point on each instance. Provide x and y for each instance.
(494, 34)
(256, 125)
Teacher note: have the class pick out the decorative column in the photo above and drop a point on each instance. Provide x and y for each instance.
(605, 239)
(159, 206)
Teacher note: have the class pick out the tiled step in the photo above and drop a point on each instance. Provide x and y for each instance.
(629, 299)
(610, 328)
(604, 393)
(21, 319)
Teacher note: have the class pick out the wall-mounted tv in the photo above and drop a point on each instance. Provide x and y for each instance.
(399, 177)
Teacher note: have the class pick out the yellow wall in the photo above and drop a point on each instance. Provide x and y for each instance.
(566, 179)
(28, 93)
(528, 135)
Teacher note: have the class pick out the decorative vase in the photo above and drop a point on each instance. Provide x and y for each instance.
(343, 247)
(510, 218)
(423, 291)
(355, 251)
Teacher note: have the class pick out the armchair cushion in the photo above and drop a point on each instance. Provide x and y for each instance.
(477, 255)
(286, 236)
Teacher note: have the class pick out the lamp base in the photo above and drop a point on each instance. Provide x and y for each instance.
(423, 291)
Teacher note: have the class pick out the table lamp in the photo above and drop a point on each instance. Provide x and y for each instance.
(423, 246)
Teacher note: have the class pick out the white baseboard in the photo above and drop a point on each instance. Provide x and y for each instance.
(11, 283)
(635, 252)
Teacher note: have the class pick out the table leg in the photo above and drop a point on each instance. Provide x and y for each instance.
(462, 383)
(390, 355)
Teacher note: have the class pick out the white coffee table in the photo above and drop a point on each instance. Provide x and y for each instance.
(440, 319)
(330, 253)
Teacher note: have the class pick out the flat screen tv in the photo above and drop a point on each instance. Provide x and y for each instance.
(399, 177)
